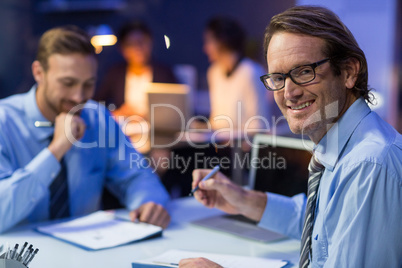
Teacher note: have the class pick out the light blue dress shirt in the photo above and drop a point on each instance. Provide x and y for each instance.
(359, 206)
(102, 157)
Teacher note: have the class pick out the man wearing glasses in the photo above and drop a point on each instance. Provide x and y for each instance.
(351, 216)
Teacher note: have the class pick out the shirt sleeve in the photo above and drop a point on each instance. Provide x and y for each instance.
(22, 188)
(284, 215)
(364, 225)
(130, 177)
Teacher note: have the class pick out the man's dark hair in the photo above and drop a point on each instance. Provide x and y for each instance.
(133, 26)
(228, 32)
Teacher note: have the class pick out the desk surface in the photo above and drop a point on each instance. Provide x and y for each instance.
(179, 235)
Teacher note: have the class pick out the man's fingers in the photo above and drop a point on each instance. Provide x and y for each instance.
(212, 184)
(78, 127)
(198, 262)
(70, 126)
(160, 217)
(201, 196)
(163, 220)
(145, 214)
(206, 198)
(198, 175)
(134, 215)
(151, 213)
(154, 216)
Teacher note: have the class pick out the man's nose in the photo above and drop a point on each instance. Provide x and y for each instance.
(78, 95)
(292, 91)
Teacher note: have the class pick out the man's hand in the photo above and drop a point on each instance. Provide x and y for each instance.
(219, 192)
(68, 128)
(151, 213)
(198, 263)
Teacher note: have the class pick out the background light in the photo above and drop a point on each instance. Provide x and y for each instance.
(102, 35)
(167, 41)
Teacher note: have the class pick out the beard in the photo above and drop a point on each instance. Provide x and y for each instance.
(68, 106)
(62, 105)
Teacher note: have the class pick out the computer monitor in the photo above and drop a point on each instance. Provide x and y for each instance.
(169, 107)
(279, 164)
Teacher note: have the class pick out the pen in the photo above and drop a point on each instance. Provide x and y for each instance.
(22, 251)
(14, 251)
(26, 257)
(210, 174)
(27, 252)
(30, 259)
(43, 124)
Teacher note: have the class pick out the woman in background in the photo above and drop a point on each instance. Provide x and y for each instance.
(236, 92)
(125, 84)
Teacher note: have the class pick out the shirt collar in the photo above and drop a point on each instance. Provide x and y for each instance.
(330, 147)
(33, 114)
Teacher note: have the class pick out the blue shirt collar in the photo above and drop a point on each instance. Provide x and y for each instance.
(329, 149)
(33, 114)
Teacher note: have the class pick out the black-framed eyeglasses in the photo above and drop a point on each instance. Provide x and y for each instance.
(299, 75)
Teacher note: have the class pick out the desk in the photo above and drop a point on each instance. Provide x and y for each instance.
(179, 235)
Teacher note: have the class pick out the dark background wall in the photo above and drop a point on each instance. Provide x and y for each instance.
(23, 21)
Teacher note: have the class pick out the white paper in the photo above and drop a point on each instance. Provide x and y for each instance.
(171, 258)
(100, 230)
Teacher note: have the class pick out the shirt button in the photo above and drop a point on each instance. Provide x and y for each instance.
(53, 175)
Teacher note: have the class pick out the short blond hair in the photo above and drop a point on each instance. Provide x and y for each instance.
(63, 40)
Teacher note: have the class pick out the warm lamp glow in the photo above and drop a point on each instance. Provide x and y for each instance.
(104, 40)
(99, 41)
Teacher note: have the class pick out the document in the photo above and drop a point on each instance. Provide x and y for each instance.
(171, 258)
(100, 230)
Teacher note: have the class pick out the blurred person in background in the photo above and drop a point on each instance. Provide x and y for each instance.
(236, 93)
(125, 84)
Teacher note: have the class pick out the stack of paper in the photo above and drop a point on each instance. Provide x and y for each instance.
(172, 258)
(100, 230)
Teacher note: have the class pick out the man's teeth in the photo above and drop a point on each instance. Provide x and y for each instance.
(301, 106)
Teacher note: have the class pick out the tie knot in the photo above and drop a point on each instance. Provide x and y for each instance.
(315, 165)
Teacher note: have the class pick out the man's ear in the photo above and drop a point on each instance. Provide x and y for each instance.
(38, 72)
(352, 68)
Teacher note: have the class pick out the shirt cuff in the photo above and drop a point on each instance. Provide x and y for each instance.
(276, 213)
(44, 167)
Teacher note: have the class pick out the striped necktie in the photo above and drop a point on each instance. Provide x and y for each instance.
(59, 206)
(59, 203)
(315, 171)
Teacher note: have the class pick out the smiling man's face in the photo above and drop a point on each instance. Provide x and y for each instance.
(307, 106)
